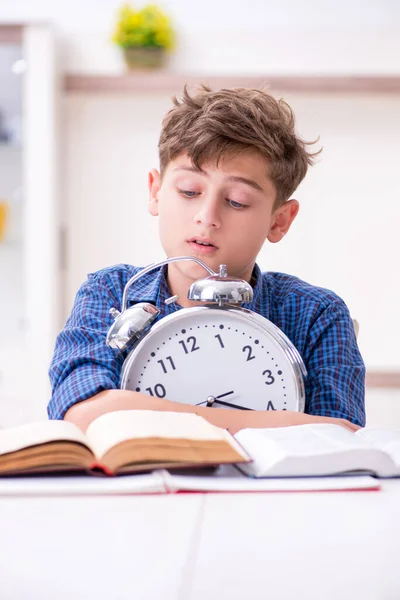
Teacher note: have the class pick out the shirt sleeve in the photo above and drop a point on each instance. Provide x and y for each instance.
(83, 365)
(335, 386)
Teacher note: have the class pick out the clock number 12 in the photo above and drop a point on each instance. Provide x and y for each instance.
(184, 345)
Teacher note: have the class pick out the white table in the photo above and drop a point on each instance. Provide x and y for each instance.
(310, 545)
(329, 545)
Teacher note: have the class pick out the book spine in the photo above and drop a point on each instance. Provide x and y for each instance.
(167, 481)
(96, 466)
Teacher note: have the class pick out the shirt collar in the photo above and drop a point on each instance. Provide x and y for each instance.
(153, 288)
(149, 287)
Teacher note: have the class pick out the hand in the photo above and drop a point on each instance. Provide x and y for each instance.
(230, 404)
(335, 421)
(280, 418)
(288, 418)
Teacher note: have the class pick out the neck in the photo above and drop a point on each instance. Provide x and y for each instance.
(179, 283)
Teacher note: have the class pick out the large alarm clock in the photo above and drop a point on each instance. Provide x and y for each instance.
(217, 355)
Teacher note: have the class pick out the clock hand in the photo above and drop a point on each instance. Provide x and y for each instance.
(223, 395)
(211, 399)
(209, 402)
(231, 405)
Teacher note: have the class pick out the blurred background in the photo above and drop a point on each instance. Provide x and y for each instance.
(79, 126)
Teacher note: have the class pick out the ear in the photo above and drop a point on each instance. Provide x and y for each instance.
(282, 219)
(154, 182)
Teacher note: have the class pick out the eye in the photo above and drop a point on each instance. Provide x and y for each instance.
(187, 193)
(236, 204)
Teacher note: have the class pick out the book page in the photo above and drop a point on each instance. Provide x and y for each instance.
(123, 425)
(306, 440)
(312, 449)
(387, 440)
(40, 432)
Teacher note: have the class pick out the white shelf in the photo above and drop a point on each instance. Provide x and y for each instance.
(165, 81)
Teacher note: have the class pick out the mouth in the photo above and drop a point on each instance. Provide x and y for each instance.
(202, 245)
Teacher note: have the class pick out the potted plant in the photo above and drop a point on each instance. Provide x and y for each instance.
(144, 35)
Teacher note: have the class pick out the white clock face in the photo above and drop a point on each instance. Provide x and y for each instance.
(227, 358)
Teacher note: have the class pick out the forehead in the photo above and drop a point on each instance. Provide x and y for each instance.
(249, 165)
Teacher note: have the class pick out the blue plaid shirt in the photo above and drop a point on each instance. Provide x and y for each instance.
(316, 320)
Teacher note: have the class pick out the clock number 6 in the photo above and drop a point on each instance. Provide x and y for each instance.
(270, 379)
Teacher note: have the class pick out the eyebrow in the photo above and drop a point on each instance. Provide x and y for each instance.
(234, 178)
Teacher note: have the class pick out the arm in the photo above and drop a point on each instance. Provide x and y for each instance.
(85, 412)
(336, 371)
(83, 365)
(85, 372)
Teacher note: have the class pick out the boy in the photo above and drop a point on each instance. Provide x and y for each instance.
(229, 162)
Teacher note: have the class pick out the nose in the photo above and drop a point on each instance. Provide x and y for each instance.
(208, 213)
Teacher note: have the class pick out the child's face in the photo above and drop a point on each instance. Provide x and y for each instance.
(222, 215)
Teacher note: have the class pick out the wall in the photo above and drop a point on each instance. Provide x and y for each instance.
(349, 200)
(345, 237)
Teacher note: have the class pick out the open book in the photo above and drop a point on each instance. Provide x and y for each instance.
(118, 442)
(320, 449)
(135, 441)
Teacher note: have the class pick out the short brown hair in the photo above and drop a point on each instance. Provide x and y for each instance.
(209, 125)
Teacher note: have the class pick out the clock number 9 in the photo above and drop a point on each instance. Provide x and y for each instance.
(270, 379)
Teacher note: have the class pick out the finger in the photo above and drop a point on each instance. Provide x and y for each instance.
(351, 426)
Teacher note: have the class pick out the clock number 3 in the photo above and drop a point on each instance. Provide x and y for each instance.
(270, 378)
